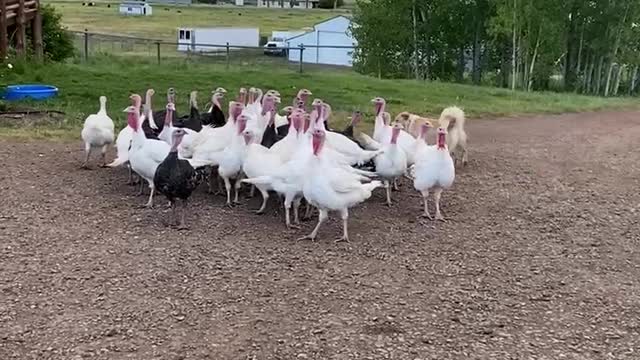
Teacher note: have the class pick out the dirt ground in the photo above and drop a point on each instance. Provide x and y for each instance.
(539, 260)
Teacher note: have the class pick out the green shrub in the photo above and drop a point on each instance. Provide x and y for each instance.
(57, 42)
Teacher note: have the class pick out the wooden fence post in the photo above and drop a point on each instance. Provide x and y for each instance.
(21, 34)
(228, 55)
(4, 37)
(301, 57)
(86, 45)
(36, 25)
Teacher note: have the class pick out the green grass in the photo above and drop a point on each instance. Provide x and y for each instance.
(162, 25)
(81, 84)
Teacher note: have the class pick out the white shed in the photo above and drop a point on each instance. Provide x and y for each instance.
(205, 39)
(331, 32)
(136, 8)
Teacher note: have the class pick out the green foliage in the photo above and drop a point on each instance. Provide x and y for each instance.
(592, 46)
(329, 4)
(118, 77)
(58, 44)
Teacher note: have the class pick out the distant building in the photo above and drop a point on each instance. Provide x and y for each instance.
(136, 8)
(216, 39)
(171, 2)
(280, 4)
(289, 4)
(319, 44)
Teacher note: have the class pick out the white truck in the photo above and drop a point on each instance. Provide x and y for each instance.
(203, 39)
(278, 43)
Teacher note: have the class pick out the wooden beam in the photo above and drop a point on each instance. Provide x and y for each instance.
(36, 26)
(4, 37)
(27, 4)
(29, 15)
(21, 33)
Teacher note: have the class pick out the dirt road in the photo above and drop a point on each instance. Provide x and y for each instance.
(539, 260)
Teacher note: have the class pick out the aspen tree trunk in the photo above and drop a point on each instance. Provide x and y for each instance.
(598, 77)
(614, 52)
(634, 74)
(533, 59)
(513, 52)
(616, 84)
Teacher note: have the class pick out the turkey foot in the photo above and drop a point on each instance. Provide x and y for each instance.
(396, 187)
(322, 217)
(345, 228)
(104, 160)
(437, 195)
(308, 237)
(182, 227)
(425, 199)
(426, 216)
(265, 197)
(169, 223)
(86, 158)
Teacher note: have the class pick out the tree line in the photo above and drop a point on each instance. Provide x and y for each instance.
(585, 46)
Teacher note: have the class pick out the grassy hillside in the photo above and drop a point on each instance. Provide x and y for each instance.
(165, 20)
(81, 84)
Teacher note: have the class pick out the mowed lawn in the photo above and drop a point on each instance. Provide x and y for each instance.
(81, 84)
(165, 20)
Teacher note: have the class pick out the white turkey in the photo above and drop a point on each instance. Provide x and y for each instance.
(392, 163)
(331, 187)
(145, 154)
(349, 149)
(97, 133)
(287, 179)
(300, 100)
(125, 136)
(168, 129)
(434, 171)
(230, 160)
(211, 140)
(259, 160)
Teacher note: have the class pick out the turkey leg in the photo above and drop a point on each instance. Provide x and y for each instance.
(322, 217)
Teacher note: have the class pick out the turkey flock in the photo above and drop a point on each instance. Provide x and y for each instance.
(296, 155)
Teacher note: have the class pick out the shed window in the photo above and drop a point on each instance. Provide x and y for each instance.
(129, 9)
(181, 37)
(187, 35)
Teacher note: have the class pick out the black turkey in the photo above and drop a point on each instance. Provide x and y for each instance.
(177, 178)
(270, 136)
(191, 121)
(215, 116)
(149, 131)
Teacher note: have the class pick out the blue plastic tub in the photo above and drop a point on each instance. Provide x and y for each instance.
(34, 92)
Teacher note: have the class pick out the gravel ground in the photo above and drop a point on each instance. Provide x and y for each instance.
(539, 260)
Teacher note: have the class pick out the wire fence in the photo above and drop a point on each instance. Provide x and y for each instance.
(296, 58)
